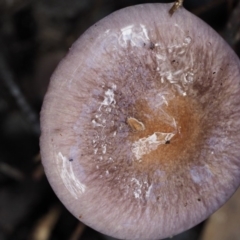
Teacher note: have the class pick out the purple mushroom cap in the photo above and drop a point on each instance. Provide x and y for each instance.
(141, 124)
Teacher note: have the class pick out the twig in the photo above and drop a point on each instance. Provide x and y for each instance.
(38, 173)
(232, 33)
(77, 233)
(7, 78)
(206, 7)
(11, 172)
(46, 224)
(176, 6)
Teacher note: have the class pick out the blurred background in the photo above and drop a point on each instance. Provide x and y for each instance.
(34, 37)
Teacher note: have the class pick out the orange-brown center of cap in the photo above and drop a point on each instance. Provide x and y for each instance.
(168, 135)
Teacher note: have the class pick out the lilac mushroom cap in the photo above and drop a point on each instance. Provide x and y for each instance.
(141, 124)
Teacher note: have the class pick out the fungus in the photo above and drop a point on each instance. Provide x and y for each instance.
(139, 137)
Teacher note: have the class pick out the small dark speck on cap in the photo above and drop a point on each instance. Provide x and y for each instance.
(152, 46)
(70, 160)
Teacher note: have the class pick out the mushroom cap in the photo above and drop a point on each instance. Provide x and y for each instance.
(141, 124)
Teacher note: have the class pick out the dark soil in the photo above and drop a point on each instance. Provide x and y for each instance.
(34, 36)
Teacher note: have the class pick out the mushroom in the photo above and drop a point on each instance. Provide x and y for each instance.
(141, 124)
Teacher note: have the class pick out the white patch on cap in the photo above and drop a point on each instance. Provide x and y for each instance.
(70, 181)
(200, 174)
(109, 97)
(146, 145)
(136, 35)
